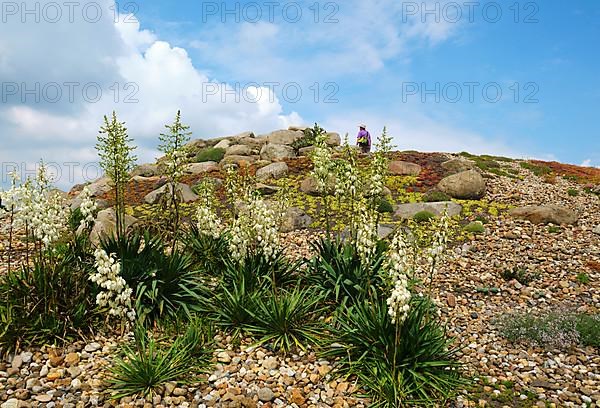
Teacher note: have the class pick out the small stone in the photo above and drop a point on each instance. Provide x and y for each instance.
(451, 300)
(26, 356)
(90, 348)
(55, 375)
(72, 359)
(17, 362)
(56, 361)
(297, 397)
(324, 370)
(180, 392)
(44, 371)
(474, 315)
(270, 363)
(265, 394)
(43, 398)
(11, 403)
(76, 384)
(224, 357)
(74, 371)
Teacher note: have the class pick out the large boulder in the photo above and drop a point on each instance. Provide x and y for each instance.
(305, 151)
(284, 137)
(223, 144)
(466, 185)
(253, 142)
(100, 187)
(185, 192)
(402, 168)
(273, 170)
(295, 219)
(384, 231)
(238, 150)
(333, 139)
(276, 152)
(407, 211)
(309, 186)
(545, 214)
(201, 168)
(145, 170)
(104, 225)
(454, 166)
(300, 128)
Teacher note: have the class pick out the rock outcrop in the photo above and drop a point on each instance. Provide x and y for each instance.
(407, 211)
(466, 185)
(185, 192)
(545, 214)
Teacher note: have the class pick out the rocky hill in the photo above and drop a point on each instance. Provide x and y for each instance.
(529, 244)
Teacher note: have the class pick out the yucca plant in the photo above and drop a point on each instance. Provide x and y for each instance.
(287, 319)
(147, 365)
(406, 364)
(209, 253)
(257, 271)
(231, 308)
(47, 303)
(117, 160)
(339, 275)
(163, 285)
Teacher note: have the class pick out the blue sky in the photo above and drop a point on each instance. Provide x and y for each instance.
(548, 51)
(371, 61)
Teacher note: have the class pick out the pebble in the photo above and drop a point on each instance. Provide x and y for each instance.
(265, 394)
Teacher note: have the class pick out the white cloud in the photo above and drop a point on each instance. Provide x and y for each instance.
(161, 77)
(590, 163)
(366, 36)
(421, 133)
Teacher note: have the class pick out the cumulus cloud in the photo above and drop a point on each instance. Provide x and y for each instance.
(144, 79)
(356, 38)
(416, 131)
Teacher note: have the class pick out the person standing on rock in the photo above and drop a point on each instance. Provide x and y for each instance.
(363, 139)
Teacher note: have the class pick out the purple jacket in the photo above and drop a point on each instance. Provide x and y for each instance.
(365, 134)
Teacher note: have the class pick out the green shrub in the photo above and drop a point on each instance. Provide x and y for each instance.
(588, 327)
(572, 192)
(336, 271)
(553, 329)
(309, 138)
(258, 272)
(554, 229)
(535, 169)
(482, 219)
(405, 365)
(384, 206)
(47, 303)
(475, 227)
(145, 367)
(231, 307)
(214, 154)
(163, 285)
(232, 301)
(423, 216)
(287, 319)
(583, 278)
(208, 253)
(435, 196)
(487, 164)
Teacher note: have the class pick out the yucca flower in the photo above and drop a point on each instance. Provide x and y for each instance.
(116, 296)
